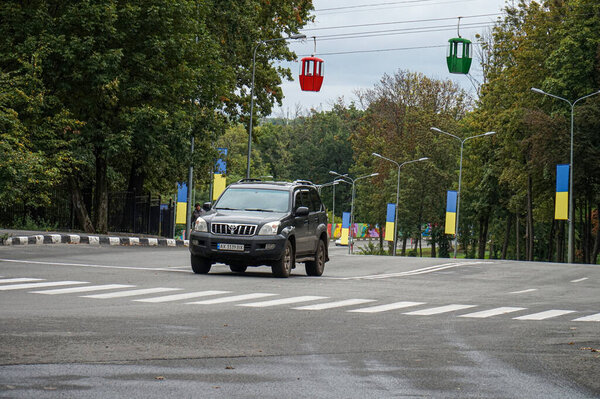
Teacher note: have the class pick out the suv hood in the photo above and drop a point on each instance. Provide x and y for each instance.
(242, 217)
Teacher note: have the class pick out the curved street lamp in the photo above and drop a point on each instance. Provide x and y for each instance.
(353, 182)
(399, 165)
(571, 252)
(293, 37)
(462, 143)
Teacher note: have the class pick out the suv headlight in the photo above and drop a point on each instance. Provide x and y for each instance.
(201, 225)
(269, 229)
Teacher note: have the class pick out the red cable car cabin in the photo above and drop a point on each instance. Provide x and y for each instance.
(311, 74)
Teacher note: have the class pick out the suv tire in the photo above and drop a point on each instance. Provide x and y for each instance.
(283, 266)
(238, 268)
(316, 267)
(200, 265)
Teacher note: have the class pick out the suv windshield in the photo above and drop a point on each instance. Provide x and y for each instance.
(254, 199)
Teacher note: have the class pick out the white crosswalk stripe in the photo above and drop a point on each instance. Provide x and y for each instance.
(548, 314)
(492, 312)
(19, 280)
(39, 285)
(439, 310)
(385, 308)
(235, 298)
(594, 317)
(88, 288)
(338, 304)
(122, 294)
(178, 297)
(284, 301)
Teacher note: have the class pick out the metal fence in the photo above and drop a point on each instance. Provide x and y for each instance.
(127, 213)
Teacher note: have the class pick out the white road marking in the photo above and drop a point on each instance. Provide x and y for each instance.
(19, 280)
(544, 315)
(235, 298)
(39, 285)
(429, 269)
(338, 304)
(389, 306)
(96, 266)
(579, 280)
(524, 291)
(122, 294)
(492, 312)
(177, 297)
(82, 289)
(594, 317)
(439, 310)
(284, 301)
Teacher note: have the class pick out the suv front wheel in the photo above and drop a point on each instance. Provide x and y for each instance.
(283, 266)
(200, 265)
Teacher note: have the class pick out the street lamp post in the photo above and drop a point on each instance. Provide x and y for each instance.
(462, 143)
(294, 37)
(333, 184)
(353, 182)
(571, 243)
(399, 165)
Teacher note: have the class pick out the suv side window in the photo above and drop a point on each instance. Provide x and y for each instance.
(314, 200)
(302, 199)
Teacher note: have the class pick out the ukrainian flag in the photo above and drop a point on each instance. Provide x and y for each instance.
(451, 212)
(181, 213)
(561, 207)
(345, 228)
(389, 222)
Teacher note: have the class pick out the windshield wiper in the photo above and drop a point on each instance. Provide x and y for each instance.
(258, 210)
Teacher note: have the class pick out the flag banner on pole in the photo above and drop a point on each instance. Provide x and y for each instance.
(221, 165)
(561, 207)
(219, 184)
(389, 222)
(181, 209)
(450, 212)
(345, 227)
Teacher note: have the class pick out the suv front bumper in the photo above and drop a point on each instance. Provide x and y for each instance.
(258, 250)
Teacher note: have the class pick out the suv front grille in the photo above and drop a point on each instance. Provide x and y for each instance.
(230, 229)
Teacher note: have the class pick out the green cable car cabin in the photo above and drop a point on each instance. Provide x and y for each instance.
(459, 56)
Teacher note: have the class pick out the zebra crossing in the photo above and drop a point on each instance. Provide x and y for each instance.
(267, 300)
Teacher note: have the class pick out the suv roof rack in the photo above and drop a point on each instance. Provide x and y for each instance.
(245, 180)
(308, 182)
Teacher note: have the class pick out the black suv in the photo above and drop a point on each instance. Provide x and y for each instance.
(257, 223)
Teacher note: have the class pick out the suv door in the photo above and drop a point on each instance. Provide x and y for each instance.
(314, 219)
(301, 223)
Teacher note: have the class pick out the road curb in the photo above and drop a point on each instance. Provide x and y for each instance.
(41, 239)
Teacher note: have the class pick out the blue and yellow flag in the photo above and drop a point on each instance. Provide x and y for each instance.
(345, 228)
(181, 211)
(561, 207)
(450, 212)
(389, 222)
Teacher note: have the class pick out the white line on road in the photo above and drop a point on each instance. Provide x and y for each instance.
(524, 291)
(39, 285)
(594, 317)
(338, 304)
(389, 306)
(284, 301)
(19, 280)
(579, 280)
(439, 310)
(122, 294)
(544, 315)
(235, 298)
(177, 297)
(492, 312)
(429, 269)
(82, 289)
(154, 269)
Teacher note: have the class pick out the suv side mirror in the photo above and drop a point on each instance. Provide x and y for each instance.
(302, 211)
(206, 206)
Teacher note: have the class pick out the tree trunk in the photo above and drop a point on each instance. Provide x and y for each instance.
(101, 194)
(506, 236)
(403, 253)
(560, 243)
(483, 233)
(517, 245)
(597, 241)
(551, 240)
(79, 207)
(530, 232)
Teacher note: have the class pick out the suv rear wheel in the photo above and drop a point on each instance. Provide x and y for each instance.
(316, 267)
(283, 266)
(200, 265)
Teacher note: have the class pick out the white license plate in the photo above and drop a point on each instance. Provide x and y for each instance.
(230, 247)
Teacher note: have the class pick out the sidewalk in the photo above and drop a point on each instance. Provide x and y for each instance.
(22, 237)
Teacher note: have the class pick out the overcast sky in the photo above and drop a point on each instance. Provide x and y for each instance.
(344, 73)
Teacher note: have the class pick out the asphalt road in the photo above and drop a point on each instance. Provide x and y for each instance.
(98, 321)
